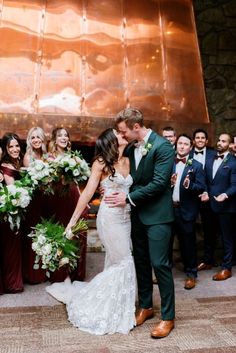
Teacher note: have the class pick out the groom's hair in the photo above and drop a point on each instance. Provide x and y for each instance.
(130, 116)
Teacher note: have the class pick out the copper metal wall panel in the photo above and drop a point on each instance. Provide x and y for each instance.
(144, 57)
(89, 59)
(105, 74)
(61, 65)
(19, 48)
(185, 100)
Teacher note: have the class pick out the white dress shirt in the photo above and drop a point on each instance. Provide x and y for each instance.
(138, 150)
(200, 157)
(217, 163)
(179, 171)
(138, 155)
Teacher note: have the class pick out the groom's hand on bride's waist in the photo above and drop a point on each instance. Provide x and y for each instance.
(116, 199)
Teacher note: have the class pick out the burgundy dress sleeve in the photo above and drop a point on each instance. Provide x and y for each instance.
(10, 172)
(10, 251)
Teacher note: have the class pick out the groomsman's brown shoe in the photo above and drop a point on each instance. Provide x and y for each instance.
(163, 329)
(190, 283)
(222, 275)
(143, 315)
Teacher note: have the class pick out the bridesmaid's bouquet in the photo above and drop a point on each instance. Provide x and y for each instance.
(53, 247)
(71, 166)
(14, 199)
(40, 174)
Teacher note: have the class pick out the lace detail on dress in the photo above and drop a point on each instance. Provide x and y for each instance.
(106, 304)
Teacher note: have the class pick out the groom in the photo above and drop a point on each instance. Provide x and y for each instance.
(151, 162)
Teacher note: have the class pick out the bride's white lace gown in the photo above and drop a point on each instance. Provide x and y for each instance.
(106, 304)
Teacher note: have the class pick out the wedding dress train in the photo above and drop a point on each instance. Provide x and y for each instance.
(106, 304)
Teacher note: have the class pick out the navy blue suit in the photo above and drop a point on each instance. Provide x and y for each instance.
(223, 182)
(186, 213)
(209, 227)
(210, 153)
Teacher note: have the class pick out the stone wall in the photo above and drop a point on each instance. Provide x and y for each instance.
(216, 27)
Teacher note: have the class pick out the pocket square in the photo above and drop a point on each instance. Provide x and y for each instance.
(225, 167)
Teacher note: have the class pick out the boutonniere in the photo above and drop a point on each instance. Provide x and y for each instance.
(189, 162)
(146, 148)
(225, 159)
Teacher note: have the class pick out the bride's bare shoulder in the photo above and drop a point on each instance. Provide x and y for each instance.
(98, 164)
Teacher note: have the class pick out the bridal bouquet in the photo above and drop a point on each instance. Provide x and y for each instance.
(72, 167)
(40, 174)
(53, 247)
(14, 199)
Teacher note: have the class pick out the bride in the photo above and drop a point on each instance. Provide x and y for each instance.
(106, 304)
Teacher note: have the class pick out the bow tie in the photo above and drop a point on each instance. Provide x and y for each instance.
(139, 144)
(198, 152)
(219, 156)
(177, 160)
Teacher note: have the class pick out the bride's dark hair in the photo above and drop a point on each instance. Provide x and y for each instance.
(106, 150)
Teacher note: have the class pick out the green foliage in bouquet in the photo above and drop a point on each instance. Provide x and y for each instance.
(53, 247)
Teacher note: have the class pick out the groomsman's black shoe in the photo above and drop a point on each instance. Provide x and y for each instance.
(143, 315)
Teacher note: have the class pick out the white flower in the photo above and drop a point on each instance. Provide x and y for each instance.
(12, 189)
(35, 246)
(41, 239)
(72, 162)
(46, 249)
(63, 261)
(39, 165)
(144, 151)
(146, 148)
(76, 172)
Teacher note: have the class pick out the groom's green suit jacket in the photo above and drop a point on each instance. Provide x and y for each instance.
(151, 190)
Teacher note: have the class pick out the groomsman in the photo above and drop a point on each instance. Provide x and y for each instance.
(188, 182)
(201, 152)
(169, 133)
(221, 192)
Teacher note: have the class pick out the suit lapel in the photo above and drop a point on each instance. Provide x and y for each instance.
(132, 163)
(223, 164)
(137, 172)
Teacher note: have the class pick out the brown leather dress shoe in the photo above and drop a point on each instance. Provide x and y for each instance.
(222, 275)
(143, 315)
(162, 329)
(190, 283)
(203, 266)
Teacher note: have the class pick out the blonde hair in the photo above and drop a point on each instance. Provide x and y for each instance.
(42, 137)
(52, 148)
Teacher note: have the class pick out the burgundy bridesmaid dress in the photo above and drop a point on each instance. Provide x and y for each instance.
(10, 251)
(61, 206)
(33, 216)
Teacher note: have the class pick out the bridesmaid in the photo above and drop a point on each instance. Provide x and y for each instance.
(35, 150)
(10, 242)
(58, 145)
(1, 285)
(35, 145)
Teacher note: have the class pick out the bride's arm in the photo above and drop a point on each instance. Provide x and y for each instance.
(88, 192)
